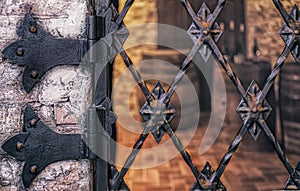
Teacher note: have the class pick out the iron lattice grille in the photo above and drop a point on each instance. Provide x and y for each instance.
(253, 108)
(158, 111)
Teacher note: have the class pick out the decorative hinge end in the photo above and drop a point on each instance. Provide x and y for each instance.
(39, 146)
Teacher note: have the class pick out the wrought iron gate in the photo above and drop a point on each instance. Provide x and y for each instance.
(38, 146)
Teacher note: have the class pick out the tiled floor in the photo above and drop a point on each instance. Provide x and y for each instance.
(247, 171)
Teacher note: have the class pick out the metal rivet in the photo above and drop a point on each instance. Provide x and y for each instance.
(34, 74)
(33, 29)
(33, 169)
(19, 145)
(33, 122)
(205, 32)
(20, 51)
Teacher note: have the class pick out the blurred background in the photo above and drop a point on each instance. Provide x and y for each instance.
(251, 43)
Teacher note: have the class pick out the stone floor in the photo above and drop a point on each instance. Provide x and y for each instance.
(247, 171)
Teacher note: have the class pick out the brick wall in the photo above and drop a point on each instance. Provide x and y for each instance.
(58, 99)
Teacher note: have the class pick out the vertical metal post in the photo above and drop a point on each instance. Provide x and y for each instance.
(99, 140)
(102, 71)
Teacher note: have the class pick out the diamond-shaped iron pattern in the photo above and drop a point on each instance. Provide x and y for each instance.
(215, 31)
(254, 109)
(204, 178)
(157, 112)
(290, 32)
(116, 33)
(195, 32)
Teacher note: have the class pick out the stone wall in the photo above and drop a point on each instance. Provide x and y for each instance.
(57, 99)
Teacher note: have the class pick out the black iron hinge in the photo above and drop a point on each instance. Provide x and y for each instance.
(39, 52)
(39, 146)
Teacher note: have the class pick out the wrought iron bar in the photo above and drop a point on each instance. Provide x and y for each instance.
(147, 130)
(91, 128)
(185, 155)
(92, 7)
(279, 151)
(207, 39)
(185, 65)
(170, 92)
(231, 151)
(116, 182)
(107, 12)
(136, 75)
(277, 68)
(102, 6)
(283, 12)
(101, 92)
(165, 99)
(186, 4)
(260, 97)
(226, 66)
(212, 18)
(119, 20)
(124, 11)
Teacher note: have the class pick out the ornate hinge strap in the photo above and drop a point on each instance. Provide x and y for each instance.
(39, 52)
(39, 146)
